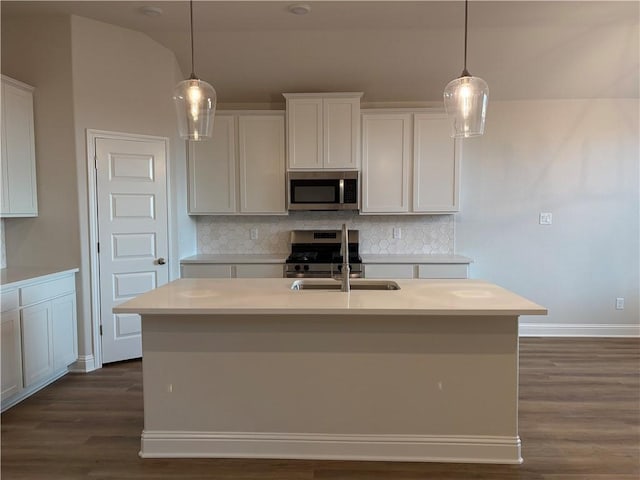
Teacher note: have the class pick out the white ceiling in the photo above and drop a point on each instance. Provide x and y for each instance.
(394, 51)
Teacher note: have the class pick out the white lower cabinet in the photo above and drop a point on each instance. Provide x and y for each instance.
(249, 270)
(39, 335)
(63, 319)
(11, 354)
(37, 348)
(408, 270)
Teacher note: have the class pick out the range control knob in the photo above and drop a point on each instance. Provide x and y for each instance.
(306, 268)
(297, 268)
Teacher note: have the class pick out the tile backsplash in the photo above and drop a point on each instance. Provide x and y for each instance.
(419, 234)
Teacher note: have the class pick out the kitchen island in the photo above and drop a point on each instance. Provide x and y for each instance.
(252, 368)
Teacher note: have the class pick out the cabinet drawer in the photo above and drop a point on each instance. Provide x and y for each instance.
(389, 271)
(206, 271)
(260, 271)
(42, 291)
(443, 270)
(9, 300)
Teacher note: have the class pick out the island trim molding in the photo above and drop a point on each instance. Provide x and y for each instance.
(408, 448)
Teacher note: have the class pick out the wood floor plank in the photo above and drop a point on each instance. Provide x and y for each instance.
(579, 420)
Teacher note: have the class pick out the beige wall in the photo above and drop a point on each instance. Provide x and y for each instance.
(87, 75)
(123, 82)
(578, 160)
(37, 51)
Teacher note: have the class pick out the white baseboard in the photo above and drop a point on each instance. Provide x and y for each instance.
(578, 330)
(405, 448)
(84, 364)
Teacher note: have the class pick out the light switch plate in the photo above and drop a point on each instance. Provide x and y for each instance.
(253, 234)
(397, 232)
(546, 218)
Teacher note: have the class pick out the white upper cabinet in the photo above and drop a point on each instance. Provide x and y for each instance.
(262, 164)
(241, 170)
(410, 164)
(436, 165)
(323, 131)
(19, 197)
(212, 170)
(386, 157)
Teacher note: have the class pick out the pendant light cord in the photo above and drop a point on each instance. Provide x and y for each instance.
(465, 73)
(193, 75)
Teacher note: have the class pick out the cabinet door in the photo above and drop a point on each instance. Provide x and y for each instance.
(443, 270)
(389, 271)
(304, 133)
(19, 197)
(196, 270)
(436, 165)
(386, 153)
(11, 354)
(63, 316)
(274, 270)
(262, 164)
(37, 345)
(212, 170)
(341, 133)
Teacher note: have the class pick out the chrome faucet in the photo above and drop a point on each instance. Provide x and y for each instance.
(346, 287)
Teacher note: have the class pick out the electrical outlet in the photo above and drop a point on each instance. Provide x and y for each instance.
(620, 303)
(546, 218)
(253, 233)
(397, 232)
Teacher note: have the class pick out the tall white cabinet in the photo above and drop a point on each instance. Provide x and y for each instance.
(410, 164)
(323, 131)
(19, 195)
(241, 170)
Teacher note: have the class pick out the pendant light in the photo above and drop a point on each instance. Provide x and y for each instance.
(466, 98)
(195, 102)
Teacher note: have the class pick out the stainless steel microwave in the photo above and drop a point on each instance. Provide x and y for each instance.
(323, 190)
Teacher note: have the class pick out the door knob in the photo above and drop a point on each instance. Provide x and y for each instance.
(161, 261)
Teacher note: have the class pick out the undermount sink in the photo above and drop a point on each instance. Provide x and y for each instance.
(335, 285)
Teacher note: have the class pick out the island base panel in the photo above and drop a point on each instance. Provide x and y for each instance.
(412, 388)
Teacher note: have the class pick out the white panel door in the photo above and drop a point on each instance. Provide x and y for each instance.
(262, 164)
(386, 151)
(132, 231)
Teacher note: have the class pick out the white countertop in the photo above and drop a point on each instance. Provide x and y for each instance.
(16, 276)
(201, 296)
(229, 258)
(414, 259)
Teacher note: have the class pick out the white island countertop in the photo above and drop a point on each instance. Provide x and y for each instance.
(242, 296)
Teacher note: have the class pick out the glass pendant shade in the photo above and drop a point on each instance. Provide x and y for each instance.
(465, 100)
(195, 102)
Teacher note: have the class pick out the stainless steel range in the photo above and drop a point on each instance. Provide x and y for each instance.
(316, 254)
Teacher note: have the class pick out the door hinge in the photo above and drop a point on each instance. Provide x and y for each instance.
(98, 247)
(95, 162)
(100, 330)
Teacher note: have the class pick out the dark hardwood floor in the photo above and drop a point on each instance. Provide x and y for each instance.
(579, 420)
